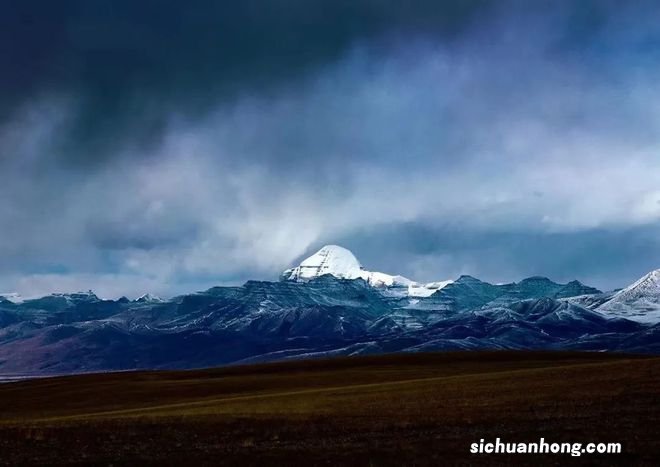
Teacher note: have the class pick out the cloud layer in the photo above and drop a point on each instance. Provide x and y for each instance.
(170, 149)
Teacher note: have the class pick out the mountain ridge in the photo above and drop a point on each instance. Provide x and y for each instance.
(320, 315)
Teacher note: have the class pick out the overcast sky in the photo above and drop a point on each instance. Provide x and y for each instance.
(167, 146)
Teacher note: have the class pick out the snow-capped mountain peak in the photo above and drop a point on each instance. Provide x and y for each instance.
(646, 287)
(650, 282)
(148, 298)
(639, 301)
(331, 259)
(342, 263)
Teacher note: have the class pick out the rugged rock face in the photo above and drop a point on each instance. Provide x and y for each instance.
(312, 313)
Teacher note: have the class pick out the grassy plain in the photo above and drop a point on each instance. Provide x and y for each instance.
(413, 409)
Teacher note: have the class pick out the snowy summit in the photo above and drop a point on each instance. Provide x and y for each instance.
(342, 263)
(639, 301)
(148, 298)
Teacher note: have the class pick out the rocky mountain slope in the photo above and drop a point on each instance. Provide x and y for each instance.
(329, 305)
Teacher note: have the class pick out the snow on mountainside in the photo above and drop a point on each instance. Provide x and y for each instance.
(639, 301)
(11, 297)
(314, 313)
(341, 263)
(148, 298)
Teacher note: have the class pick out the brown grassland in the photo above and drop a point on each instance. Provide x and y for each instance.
(414, 409)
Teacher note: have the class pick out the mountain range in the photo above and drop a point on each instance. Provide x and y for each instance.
(327, 305)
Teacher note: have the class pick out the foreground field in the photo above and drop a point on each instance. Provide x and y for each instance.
(420, 409)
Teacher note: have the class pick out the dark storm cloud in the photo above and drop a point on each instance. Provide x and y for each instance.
(166, 146)
(131, 63)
